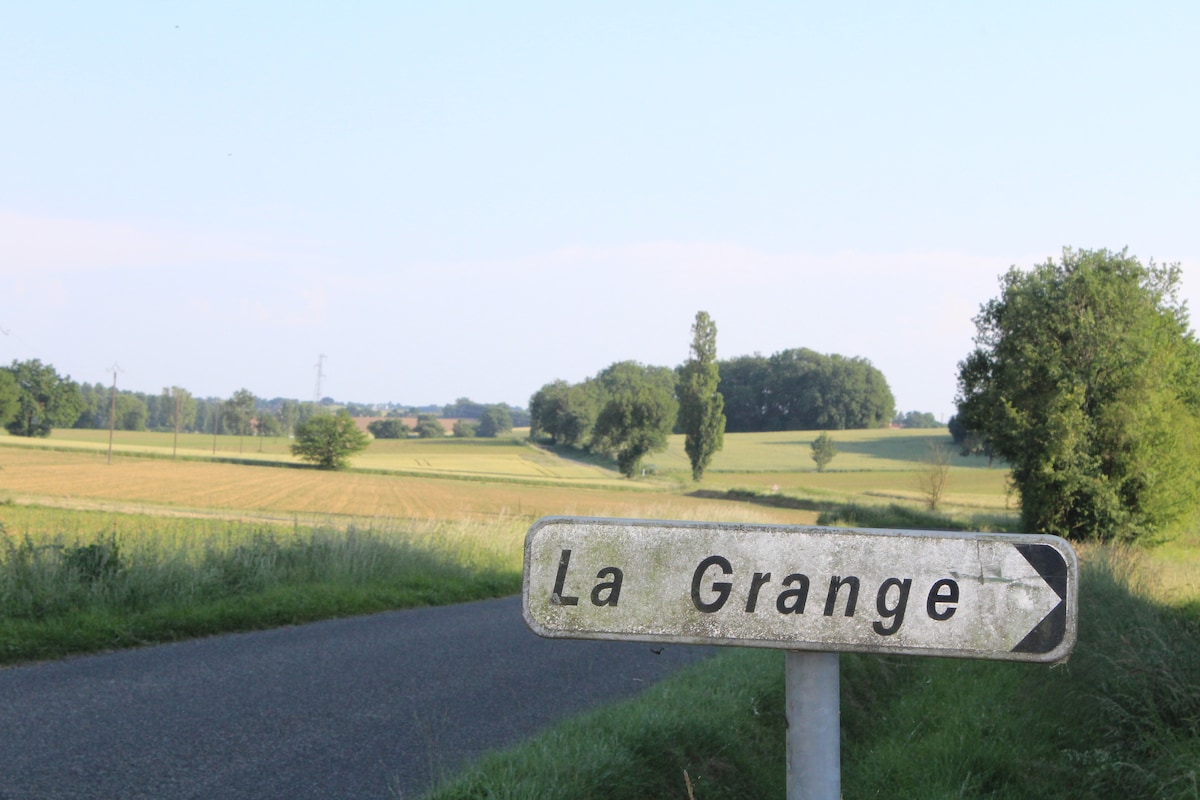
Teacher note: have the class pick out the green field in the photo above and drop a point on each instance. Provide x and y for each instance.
(168, 541)
(880, 464)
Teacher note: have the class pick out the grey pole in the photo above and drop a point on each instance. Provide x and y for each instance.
(814, 748)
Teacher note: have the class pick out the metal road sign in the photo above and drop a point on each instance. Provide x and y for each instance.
(970, 595)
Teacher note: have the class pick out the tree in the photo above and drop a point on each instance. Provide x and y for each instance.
(131, 412)
(463, 429)
(163, 407)
(96, 403)
(701, 406)
(494, 421)
(240, 411)
(45, 399)
(328, 440)
(916, 419)
(288, 412)
(637, 416)
(935, 474)
(970, 443)
(801, 389)
(744, 388)
(823, 450)
(430, 427)
(1085, 378)
(388, 429)
(10, 396)
(266, 424)
(464, 408)
(564, 413)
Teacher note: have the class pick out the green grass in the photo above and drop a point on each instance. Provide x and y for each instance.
(1122, 719)
(875, 450)
(69, 589)
(714, 722)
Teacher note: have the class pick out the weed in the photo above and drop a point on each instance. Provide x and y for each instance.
(100, 560)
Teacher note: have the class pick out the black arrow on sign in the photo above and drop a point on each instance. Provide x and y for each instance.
(1051, 565)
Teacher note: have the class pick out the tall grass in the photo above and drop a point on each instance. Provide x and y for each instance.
(1121, 719)
(76, 591)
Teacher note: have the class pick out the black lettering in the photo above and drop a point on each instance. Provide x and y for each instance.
(722, 588)
(835, 585)
(791, 601)
(556, 597)
(942, 593)
(613, 586)
(756, 585)
(896, 612)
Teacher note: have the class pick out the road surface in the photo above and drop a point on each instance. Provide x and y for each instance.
(366, 707)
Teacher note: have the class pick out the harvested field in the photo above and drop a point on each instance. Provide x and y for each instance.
(86, 480)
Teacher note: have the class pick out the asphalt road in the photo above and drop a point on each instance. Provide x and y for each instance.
(368, 707)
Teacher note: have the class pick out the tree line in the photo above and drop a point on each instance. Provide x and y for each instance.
(800, 389)
(625, 412)
(628, 409)
(35, 398)
(791, 390)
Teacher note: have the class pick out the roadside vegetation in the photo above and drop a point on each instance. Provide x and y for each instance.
(75, 582)
(1121, 719)
(178, 557)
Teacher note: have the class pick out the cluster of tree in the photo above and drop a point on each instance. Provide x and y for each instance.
(916, 419)
(465, 408)
(629, 409)
(625, 411)
(388, 428)
(801, 389)
(429, 426)
(492, 421)
(1085, 379)
(35, 399)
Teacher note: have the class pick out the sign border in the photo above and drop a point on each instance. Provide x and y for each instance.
(1067, 587)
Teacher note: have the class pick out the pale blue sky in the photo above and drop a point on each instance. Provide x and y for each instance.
(467, 199)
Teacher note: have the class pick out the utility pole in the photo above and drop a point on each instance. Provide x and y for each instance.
(112, 411)
(216, 422)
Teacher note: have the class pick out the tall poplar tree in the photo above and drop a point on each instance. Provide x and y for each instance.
(701, 406)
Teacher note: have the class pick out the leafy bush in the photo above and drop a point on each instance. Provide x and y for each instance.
(430, 427)
(388, 429)
(93, 562)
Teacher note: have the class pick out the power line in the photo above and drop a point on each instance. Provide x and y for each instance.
(320, 365)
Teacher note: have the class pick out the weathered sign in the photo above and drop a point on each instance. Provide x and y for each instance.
(971, 595)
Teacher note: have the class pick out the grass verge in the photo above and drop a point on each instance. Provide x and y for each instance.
(65, 593)
(1121, 719)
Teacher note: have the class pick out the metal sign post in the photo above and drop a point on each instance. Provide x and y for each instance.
(813, 591)
(814, 746)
